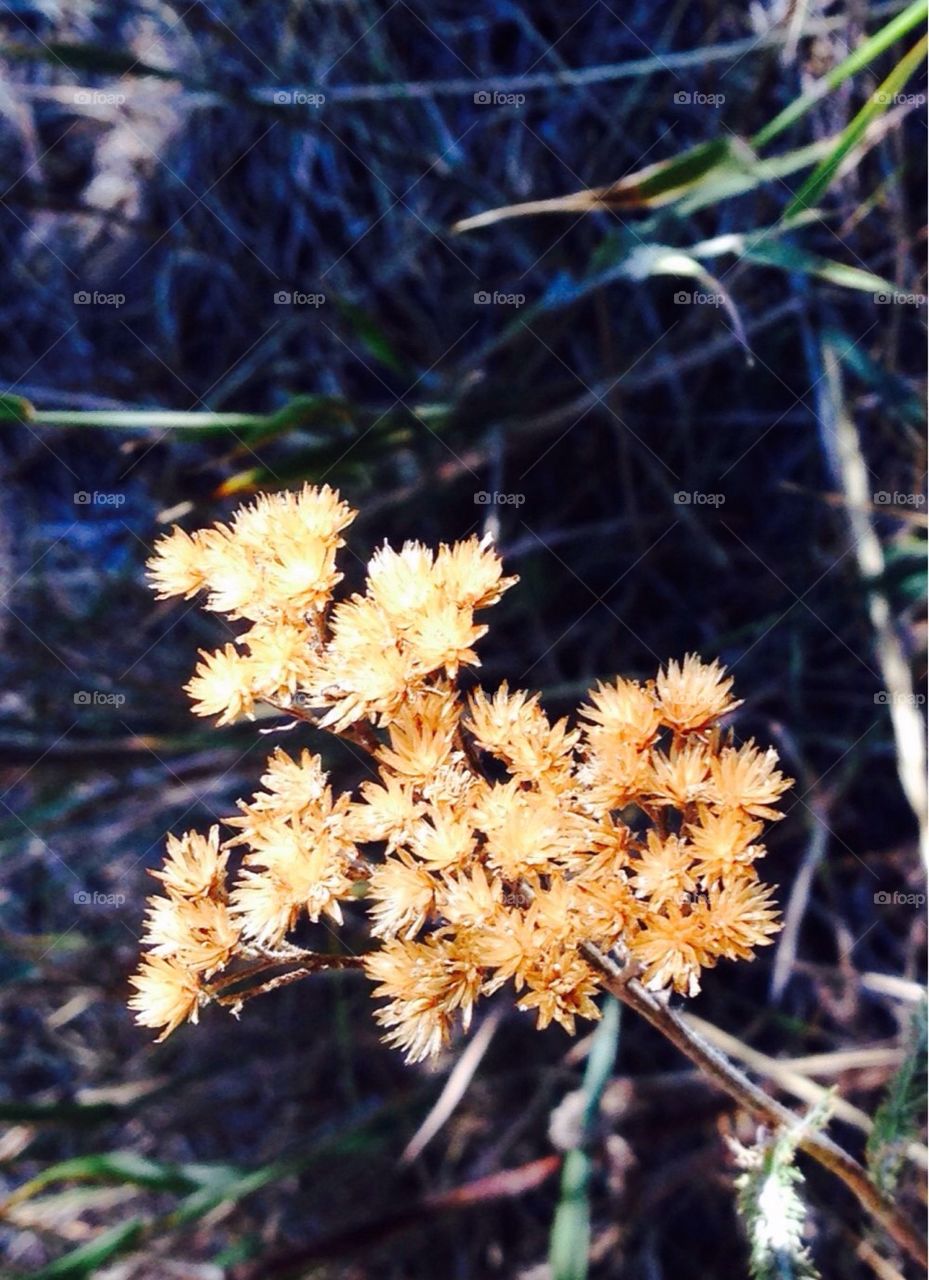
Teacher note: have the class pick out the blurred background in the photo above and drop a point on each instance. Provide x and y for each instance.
(249, 245)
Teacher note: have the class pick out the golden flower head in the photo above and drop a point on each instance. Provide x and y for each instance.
(671, 948)
(470, 573)
(664, 873)
(222, 685)
(722, 843)
(748, 778)
(680, 778)
(515, 729)
(194, 867)
(167, 993)
(177, 567)
(692, 694)
(621, 713)
(427, 985)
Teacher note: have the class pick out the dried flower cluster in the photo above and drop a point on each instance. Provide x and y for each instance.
(493, 845)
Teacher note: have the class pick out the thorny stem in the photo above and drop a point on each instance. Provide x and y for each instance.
(754, 1100)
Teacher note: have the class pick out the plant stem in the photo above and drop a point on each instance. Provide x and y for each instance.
(754, 1100)
(285, 979)
(360, 733)
(310, 962)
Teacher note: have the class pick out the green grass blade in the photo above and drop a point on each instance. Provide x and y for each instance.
(600, 1062)
(821, 178)
(765, 248)
(569, 1245)
(899, 397)
(372, 336)
(662, 260)
(16, 409)
(150, 419)
(111, 1166)
(570, 1240)
(86, 1259)
(669, 179)
(300, 411)
(866, 52)
(74, 1114)
(741, 175)
(896, 1123)
(773, 253)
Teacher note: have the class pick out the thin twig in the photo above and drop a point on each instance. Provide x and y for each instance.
(310, 962)
(235, 998)
(360, 733)
(455, 1087)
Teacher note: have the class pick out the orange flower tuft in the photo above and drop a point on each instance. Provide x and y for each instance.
(493, 845)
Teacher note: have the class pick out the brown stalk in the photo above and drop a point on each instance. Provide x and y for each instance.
(749, 1096)
(310, 962)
